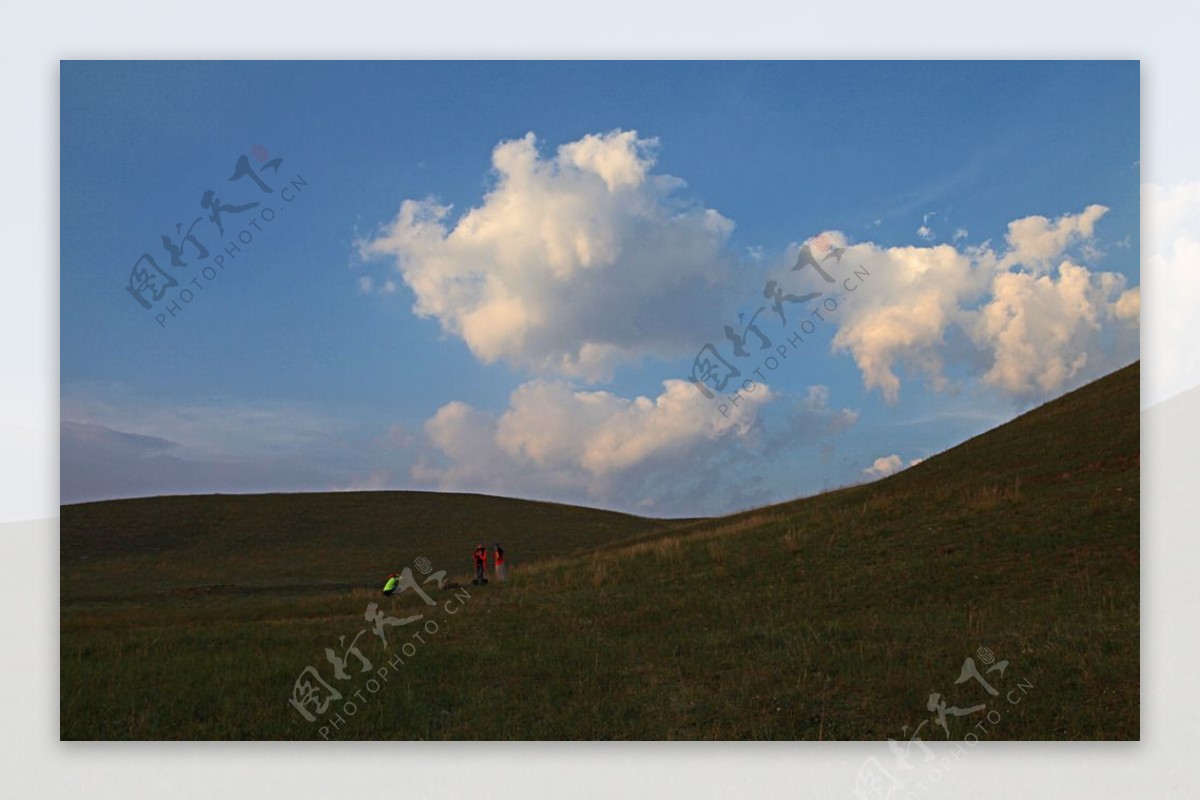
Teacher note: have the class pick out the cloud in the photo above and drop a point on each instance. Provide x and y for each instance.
(1042, 331)
(122, 443)
(99, 462)
(1129, 305)
(584, 259)
(674, 453)
(810, 419)
(1025, 328)
(1038, 243)
(367, 285)
(913, 295)
(215, 427)
(115, 444)
(1171, 220)
(572, 264)
(884, 466)
(554, 438)
(925, 232)
(815, 408)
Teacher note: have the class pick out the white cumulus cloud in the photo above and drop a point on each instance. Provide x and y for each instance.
(584, 258)
(884, 466)
(1042, 331)
(573, 262)
(555, 437)
(1037, 242)
(1027, 320)
(914, 294)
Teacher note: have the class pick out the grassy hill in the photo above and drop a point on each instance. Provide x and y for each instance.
(297, 543)
(833, 617)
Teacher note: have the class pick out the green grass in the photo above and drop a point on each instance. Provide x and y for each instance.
(832, 617)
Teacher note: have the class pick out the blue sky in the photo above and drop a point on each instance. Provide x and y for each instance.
(536, 338)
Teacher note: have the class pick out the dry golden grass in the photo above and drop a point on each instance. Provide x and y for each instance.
(990, 496)
(792, 540)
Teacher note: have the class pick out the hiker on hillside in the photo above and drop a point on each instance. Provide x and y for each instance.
(501, 570)
(480, 564)
(392, 581)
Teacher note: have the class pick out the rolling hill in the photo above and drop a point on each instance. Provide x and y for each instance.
(849, 615)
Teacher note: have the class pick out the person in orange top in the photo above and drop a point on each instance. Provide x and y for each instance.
(501, 570)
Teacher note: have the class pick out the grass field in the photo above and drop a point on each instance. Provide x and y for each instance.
(832, 617)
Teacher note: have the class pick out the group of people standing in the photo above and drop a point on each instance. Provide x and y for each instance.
(481, 569)
(481, 563)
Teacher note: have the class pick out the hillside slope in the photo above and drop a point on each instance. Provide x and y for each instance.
(833, 617)
(838, 616)
(308, 541)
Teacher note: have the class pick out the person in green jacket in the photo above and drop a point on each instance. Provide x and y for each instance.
(392, 581)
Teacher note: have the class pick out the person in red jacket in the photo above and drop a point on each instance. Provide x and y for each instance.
(480, 564)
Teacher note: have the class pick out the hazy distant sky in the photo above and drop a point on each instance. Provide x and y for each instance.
(496, 277)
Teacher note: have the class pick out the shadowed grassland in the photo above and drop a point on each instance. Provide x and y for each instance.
(832, 617)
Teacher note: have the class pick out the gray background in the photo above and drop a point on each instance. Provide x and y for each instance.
(33, 763)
